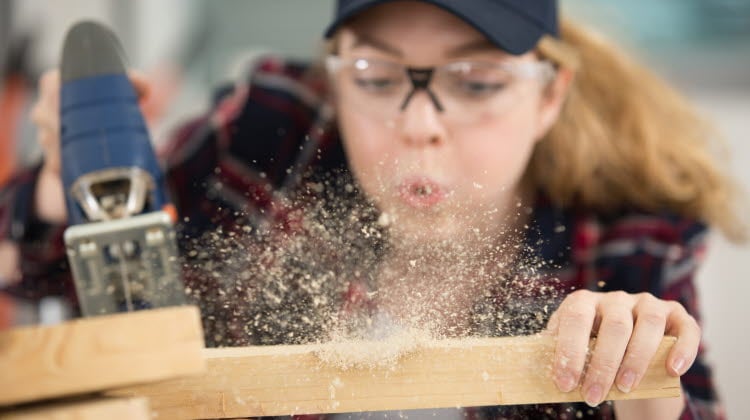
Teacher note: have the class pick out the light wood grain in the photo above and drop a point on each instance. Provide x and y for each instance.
(94, 354)
(103, 408)
(282, 380)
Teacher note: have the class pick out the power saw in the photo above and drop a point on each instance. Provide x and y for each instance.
(120, 242)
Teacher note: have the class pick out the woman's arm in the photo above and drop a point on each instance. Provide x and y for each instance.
(645, 268)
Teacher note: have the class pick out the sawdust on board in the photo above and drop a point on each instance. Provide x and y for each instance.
(353, 353)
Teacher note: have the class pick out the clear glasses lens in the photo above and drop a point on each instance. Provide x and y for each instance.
(468, 91)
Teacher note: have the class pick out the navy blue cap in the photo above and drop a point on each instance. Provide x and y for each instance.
(513, 25)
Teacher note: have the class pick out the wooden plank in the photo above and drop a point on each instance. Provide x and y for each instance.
(97, 353)
(283, 380)
(103, 408)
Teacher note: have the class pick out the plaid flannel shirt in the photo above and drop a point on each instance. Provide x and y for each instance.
(265, 129)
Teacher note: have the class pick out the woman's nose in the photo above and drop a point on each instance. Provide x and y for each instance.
(421, 122)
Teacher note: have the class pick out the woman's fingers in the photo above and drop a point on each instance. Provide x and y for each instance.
(141, 84)
(614, 333)
(688, 333)
(629, 329)
(10, 272)
(44, 111)
(650, 323)
(576, 318)
(45, 115)
(552, 324)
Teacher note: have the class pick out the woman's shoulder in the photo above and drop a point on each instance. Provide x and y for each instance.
(272, 119)
(637, 250)
(585, 235)
(302, 80)
(640, 227)
(630, 249)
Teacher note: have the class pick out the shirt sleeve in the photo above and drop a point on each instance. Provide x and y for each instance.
(42, 263)
(661, 255)
(226, 171)
(678, 277)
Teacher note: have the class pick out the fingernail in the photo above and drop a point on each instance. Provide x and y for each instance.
(626, 381)
(593, 395)
(565, 382)
(678, 364)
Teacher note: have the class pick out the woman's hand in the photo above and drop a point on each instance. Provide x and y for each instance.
(629, 328)
(49, 202)
(10, 273)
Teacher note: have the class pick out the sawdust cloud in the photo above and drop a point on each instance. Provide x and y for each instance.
(293, 282)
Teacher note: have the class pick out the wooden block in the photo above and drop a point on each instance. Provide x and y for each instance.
(283, 380)
(97, 353)
(104, 408)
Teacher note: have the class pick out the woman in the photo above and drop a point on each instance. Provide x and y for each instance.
(481, 151)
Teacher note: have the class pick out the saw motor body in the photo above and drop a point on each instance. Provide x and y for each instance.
(121, 242)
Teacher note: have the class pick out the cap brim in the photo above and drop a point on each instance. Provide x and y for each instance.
(504, 27)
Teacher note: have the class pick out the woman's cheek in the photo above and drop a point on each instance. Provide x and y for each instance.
(369, 150)
(495, 158)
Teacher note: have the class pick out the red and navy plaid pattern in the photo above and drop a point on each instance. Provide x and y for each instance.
(267, 129)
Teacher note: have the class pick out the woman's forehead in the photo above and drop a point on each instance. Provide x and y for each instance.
(399, 48)
(431, 51)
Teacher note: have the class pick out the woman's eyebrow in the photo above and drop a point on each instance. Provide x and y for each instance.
(368, 41)
(476, 46)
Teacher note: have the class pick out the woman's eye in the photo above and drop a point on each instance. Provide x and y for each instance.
(474, 88)
(375, 84)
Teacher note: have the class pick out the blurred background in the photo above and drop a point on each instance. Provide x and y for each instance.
(187, 47)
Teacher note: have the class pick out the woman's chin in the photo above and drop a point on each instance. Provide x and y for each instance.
(425, 230)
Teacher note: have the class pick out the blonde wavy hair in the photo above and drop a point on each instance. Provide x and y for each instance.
(625, 138)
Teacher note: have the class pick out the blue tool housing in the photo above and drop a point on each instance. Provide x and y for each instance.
(101, 128)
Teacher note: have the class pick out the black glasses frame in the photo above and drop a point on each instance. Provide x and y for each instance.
(420, 80)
